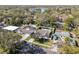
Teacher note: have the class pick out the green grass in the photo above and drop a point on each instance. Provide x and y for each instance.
(35, 42)
(45, 44)
(41, 45)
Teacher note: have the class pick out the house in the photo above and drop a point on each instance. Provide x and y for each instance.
(59, 24)
(42, 34)
(60, 36)
(27, 29)
(35, 10)
(11, 28)
(40, 9)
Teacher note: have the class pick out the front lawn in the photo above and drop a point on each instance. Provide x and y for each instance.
(45, 44)
(49, 42)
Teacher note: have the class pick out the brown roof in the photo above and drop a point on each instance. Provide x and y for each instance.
(43, 32)
(27, 29)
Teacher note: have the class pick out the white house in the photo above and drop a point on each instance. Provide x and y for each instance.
(10, 28)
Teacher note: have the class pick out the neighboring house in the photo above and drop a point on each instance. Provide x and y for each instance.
(40, 10)
(27, 29)
(11, 28)
(60, 36)
(42, 34)
(59, 24)
(35, 10)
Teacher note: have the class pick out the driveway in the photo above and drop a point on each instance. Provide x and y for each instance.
(52, 50)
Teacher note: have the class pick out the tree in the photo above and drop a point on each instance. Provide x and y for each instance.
(76, 32)
(7, 39)
(24, 47)
(69, 24)
(69, 49)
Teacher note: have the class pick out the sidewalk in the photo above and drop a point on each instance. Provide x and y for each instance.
(31, 40)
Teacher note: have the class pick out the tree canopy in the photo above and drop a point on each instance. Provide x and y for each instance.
(7, 39)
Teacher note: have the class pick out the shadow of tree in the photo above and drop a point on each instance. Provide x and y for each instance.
(26, 48)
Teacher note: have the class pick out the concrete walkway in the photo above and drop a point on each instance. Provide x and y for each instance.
(25, 36)
(31, 40)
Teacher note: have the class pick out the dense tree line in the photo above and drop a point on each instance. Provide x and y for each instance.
(19, 16)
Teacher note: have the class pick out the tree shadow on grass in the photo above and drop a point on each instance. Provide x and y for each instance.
(26, 48)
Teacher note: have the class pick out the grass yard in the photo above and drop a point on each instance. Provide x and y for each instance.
(41, 45)
(45, 44)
